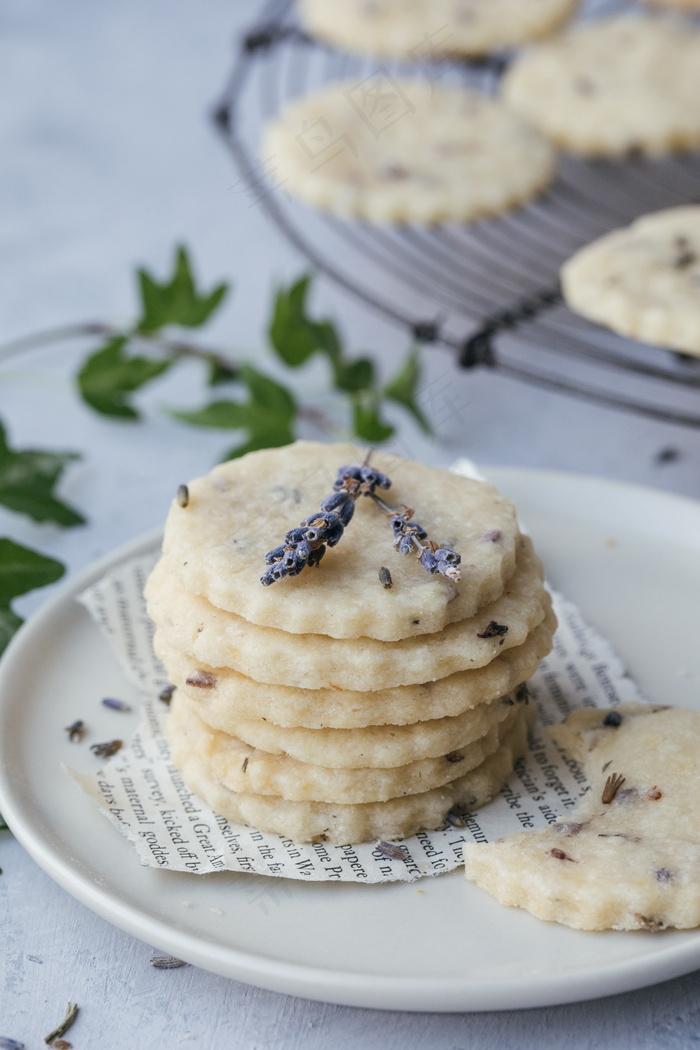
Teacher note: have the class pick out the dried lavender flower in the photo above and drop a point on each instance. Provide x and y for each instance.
(76, 731)
(385, 578)
(115, 705)
(106, 750)
(183, 496)
(166, 962)
(10, 1044)
(166, 695)
(394, 850)
(306, 543)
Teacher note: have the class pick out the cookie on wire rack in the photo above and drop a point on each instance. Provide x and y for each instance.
(425, 29)
(643, 281)
(406, 151)
(606, 88)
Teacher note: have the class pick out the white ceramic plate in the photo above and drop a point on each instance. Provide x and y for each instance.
(629, 556)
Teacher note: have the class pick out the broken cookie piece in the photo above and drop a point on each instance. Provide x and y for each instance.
(628, 858)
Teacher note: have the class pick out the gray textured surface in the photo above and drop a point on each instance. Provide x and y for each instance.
(108, 159)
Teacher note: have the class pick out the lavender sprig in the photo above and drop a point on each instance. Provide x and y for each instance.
(408, 534)
(305, 545)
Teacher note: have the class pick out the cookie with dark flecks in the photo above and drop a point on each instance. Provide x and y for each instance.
(405, 150)
(425, 30)
(364, 821)
(627, 858)
(316, 661)
(613, 86)
(643, 281)
(241, 767)
(235, 698)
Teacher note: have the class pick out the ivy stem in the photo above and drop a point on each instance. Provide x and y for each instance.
(176, 347)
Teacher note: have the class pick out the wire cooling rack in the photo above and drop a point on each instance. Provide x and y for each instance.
(488, 292)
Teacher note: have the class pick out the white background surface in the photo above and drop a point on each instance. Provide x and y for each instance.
(108, 159)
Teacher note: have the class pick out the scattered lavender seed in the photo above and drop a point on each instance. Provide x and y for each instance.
(71, 1013)
(669, 454)
(61, 1044)
(183, 496)
(244, 767)
(385, 578)
(116, 705)
(664, 875)
(455, 756)
(166, 695)
(76, 730)
(166, 962)
(492, 536)
(522, 693)
(201, 679)
(393, 850)
(613, 718)
(106, 750)
(559, 854)
(493, 630)
(568, 829)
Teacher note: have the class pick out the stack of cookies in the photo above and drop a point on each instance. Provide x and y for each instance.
(364, 697)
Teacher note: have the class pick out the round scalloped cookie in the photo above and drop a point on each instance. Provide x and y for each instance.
(627, 858)
(374, 747)
(243, 509)
(246, 769)
(426, 29)
(643, 281)
(394, 151)
(313, 661)
(230, 698)
(365, 821)
(608, 87)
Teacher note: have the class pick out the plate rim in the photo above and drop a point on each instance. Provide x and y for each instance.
(424, 994)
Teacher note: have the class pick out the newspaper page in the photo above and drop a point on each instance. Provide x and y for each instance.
(144, 794)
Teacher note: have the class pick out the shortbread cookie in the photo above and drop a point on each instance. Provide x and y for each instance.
(422, 30)
(375, 746)
(307, 661)
(628, 857)
(643, 281)
(242, 768)
(243, 509)
(391, 150)
(230, 697)
(338, 823)
(611, 86)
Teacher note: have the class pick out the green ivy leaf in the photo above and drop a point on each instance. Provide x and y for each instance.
(176, 301)
(109, 375)
(293, 334)
(367, 422)
(403, 389)
(27, 480)
(268, 415)
(21, 570)
(220, 373)
(355, 376)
